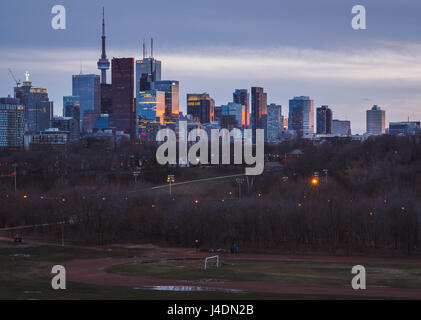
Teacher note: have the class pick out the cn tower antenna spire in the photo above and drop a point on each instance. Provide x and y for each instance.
(103, 63)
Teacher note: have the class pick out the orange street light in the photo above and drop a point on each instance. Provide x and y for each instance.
(315, 181)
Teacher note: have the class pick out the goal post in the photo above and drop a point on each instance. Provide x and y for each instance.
(212, 258)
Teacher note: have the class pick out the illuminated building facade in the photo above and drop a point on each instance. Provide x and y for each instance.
(242, 96)
(201, 107)
(150, 105)
(171, 89)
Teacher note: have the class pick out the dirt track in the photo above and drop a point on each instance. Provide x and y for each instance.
(92, 272)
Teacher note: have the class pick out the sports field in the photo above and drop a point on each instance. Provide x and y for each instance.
(155, 273)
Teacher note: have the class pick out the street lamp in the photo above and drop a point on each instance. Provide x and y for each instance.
(315, 181)
(15, 175)
(240, 181)
(326, 171)
(170, 180)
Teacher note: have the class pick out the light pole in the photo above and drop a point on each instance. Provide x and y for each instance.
(170, 180)
(14, 175)
(136, 173)
(326, 171)
(240, 181)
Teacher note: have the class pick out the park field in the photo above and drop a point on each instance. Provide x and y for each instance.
(131, 273)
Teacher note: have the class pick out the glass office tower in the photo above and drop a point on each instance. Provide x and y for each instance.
(148, 66)
(301, 115)
(151, 105)
(87, 88)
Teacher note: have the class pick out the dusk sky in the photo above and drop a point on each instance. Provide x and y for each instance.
(291, 48)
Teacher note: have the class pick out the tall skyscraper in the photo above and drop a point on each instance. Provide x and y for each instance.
(87, 88)
(201, 107)
(38, 108)
(274, 122)
(103, 63)
(242, 97)
(12, 123)
(324, 120)
(301, 115)
(376, 121)
(147, 70)
(259, 110)
(124, 110)
(171, 88)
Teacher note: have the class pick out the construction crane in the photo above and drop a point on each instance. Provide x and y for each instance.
(14, 78)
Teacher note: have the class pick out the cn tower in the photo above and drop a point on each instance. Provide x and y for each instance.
(103, 63)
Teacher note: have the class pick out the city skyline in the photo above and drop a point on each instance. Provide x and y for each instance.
(362, 69)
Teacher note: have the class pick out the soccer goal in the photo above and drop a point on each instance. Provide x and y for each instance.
(211, 259)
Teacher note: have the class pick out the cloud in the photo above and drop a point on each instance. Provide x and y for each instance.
(384, 73)
(390, 62)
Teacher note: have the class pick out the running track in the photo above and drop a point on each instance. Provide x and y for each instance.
(93, 272)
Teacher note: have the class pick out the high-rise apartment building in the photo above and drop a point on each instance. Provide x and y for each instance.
(376, 121)
(12, 123)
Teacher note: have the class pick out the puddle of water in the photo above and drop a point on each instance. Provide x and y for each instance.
(186, 289)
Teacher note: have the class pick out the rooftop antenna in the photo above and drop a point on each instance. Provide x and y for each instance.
(144, 49)
(81, 67)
